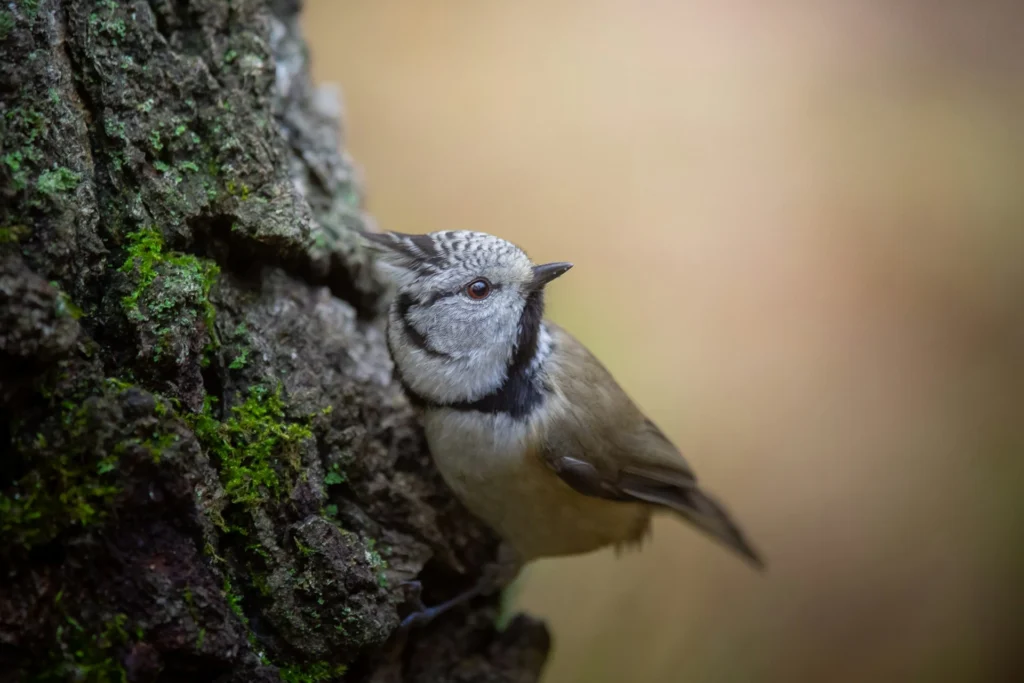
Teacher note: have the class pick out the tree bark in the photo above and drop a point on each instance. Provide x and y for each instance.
(208, 473)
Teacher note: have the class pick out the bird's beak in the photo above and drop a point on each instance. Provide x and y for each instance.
(547, 272)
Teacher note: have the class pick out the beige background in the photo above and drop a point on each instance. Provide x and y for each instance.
(798, 230)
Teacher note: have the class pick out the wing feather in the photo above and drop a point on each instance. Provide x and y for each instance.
(605, 448)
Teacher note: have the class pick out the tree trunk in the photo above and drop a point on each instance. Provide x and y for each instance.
(208, 473)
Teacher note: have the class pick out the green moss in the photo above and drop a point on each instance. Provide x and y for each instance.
(313, 673)
(29, 7)
(6, 24)
(88, 657)
(12, 234)
(240, 360)
(234, 601)
(70, 484)
(22, 165)
(240, 190)
(65, 307)
(71, 463)
(238, 344)
(117, 384)
(377, 563)
(58, 180)
(171, 289)
(334, 476)
(251, 445)
(15, 161)
(260, 583)
(106, 22)
(21, 130)
(158, 444)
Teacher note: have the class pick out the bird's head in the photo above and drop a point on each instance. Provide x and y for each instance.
(467, 304)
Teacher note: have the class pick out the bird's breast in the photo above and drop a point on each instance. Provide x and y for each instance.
(492, 464)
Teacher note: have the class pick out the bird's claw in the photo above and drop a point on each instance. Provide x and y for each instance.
(420, 617)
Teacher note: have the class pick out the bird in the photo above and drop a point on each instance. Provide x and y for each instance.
(527, 428)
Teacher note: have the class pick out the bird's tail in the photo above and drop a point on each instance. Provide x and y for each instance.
(707, 514)
(703, 511)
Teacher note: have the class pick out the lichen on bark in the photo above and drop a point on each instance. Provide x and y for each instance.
(207, 472)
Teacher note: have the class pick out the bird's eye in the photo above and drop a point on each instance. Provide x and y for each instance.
(478, 289)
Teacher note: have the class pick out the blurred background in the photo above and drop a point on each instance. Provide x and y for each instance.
(798, 230)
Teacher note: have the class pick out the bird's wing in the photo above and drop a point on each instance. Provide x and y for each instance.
(601, 445)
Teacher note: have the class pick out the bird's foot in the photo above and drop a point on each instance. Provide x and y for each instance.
(494, 577)
(424, 615)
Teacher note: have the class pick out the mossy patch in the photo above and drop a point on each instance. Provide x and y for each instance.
(313, 673)
(252, 446)
(70, 463)
(334, 476)
(23, 166)
(107, 20)
(240, 361)
(81, 655)
(378, 564)
(171, 293)
(71, 482)
(6, 24)
(12, 234)
(30, 8)
(65, 306)
(54, 181)
(22, 130)
(234, 602)
(316, 672)
(237, 347)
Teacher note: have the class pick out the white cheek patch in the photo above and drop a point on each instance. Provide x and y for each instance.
(472, 375)
(460, 327)
(448, 380)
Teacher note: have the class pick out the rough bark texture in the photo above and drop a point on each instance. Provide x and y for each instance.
(207, 471)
